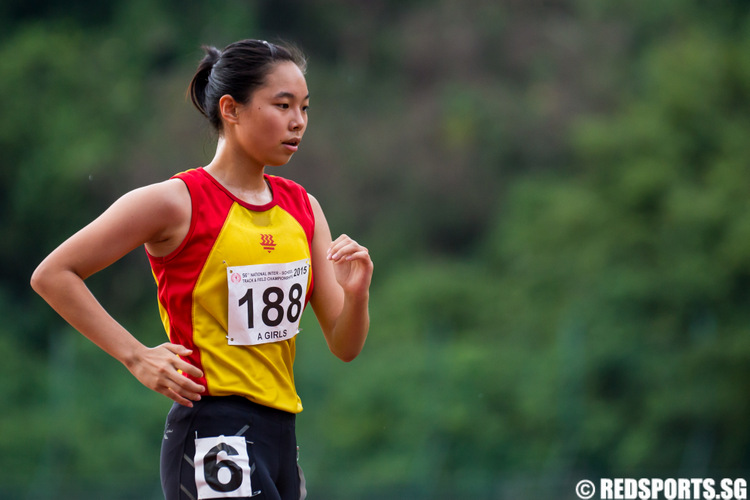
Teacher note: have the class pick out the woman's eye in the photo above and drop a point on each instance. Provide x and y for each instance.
(283, 105)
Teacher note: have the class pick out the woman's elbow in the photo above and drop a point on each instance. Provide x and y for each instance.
(346, 356)
(347, 352)
(41, 279)
(37, 280)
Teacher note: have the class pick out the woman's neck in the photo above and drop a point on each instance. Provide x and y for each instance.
(239, 175)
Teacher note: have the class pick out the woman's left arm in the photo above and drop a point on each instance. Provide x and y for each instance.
(341, 294)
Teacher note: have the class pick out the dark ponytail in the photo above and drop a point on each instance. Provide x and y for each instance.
(238, 71)
(197, 88)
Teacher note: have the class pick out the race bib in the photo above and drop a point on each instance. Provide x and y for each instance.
(222, 467)
(266, 301)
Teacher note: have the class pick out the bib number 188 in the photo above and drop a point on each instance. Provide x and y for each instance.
(266, 301)
(273, 311)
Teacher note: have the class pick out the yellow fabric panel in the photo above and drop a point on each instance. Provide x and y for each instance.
(262, 373)
(163, 314)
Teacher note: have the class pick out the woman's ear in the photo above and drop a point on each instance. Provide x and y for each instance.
(229, 109)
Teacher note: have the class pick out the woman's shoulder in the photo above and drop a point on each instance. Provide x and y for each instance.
(167, 202)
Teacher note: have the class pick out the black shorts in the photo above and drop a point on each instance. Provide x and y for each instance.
(230, 447)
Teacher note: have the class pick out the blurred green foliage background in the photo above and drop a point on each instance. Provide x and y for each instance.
(555, 194)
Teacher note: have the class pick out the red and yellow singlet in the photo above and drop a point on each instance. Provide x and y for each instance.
(234, 290)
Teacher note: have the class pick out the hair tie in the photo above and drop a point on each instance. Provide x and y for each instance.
(270, 48)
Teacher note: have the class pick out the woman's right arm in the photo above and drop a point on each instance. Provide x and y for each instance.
(157, 216)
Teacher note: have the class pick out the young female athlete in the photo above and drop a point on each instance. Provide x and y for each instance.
(236, 254)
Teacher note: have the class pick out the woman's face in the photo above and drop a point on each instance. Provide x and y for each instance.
(271, 124)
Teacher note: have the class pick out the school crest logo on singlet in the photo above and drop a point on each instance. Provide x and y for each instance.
(266, 241)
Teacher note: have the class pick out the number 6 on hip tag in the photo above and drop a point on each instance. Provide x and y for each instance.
(222, 467)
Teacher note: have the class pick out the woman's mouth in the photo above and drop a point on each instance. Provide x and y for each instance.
(292, 145)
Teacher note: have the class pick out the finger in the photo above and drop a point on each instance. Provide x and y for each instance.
(177, 349)
(350, 254)
(339, 251)
(188, 369)
(178, 373)
(362, 255)
(172, 390)
(171, 394)
(181, 364)
(342, 237)
(354, 255)
(185, 385)
(184, 388)
(339, 243)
